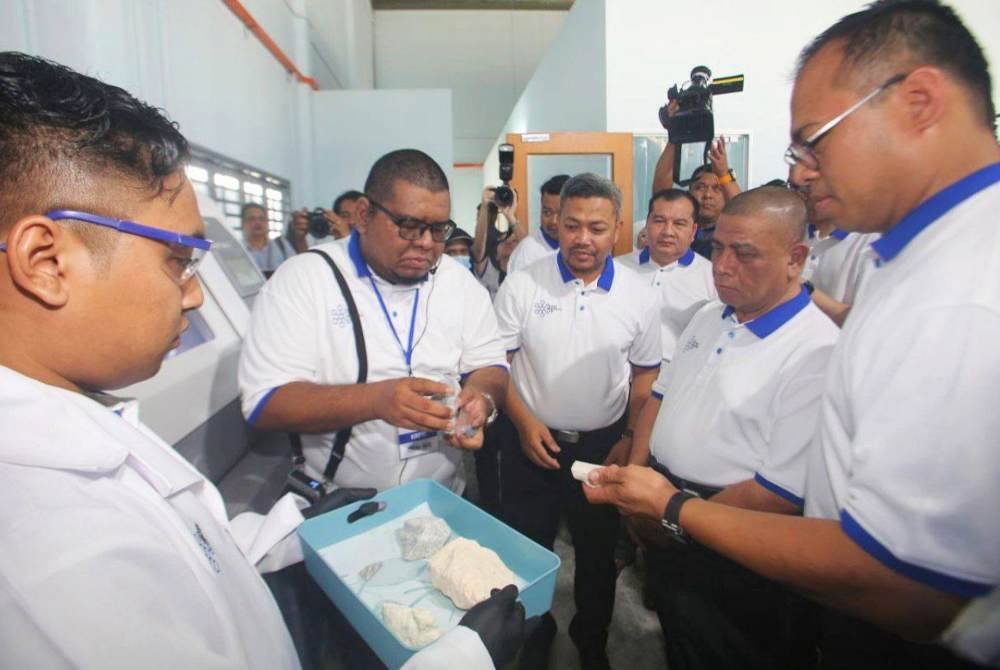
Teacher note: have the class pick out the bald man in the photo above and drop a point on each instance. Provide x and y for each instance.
(730, 419)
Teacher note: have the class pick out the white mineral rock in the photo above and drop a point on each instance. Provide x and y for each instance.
(422, 536)
(466, 572)
(414, 626)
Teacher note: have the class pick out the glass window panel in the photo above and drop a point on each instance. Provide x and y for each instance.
(196, 174)
(226, 181)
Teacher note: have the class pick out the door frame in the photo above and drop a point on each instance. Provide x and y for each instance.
(616, 145)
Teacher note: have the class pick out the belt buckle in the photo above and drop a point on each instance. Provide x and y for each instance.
(568, 436)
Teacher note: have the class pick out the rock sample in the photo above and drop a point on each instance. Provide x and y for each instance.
(422, 536)
(415, 626)
(466, 572)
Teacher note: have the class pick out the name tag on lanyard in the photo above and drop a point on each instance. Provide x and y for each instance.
(413, 443)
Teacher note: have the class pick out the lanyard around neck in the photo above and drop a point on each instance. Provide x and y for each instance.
(408, 350)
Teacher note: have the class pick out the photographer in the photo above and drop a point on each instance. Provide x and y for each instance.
(495, 240)
(712, 185)
(268, 254)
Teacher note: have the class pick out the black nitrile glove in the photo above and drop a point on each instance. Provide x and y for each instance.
(499, 621)
(338, 498)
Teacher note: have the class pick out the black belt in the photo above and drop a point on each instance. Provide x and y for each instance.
(699, 490)
(613, 431)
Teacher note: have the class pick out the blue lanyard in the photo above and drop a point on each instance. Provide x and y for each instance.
(408, 351)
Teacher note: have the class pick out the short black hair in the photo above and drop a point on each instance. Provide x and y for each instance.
(554, 185)
(251, 205)
(700, 170)
(346, 196)
(410, 165)
(55, 122)
(924, 32)
(672, 195)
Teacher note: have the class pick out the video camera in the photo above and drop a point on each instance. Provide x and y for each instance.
(693, 120)
(503, 196)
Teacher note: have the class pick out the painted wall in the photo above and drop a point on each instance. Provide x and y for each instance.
(568, 90)
(652, 44)
(485, 57)
(352, 129)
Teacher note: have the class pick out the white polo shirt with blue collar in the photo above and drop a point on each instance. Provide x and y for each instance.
(908, 459)
(574, 343)
(740, 401)
(301, 330)
(839, 263)
(535, 246)
(683, 287)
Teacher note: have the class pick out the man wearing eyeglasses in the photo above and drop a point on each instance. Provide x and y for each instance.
(117, 552)
(428, 327)
(901, 495)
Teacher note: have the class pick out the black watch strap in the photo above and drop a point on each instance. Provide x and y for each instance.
(672, 515)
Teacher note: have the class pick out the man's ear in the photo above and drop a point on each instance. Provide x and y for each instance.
(362, 214)
(924, 94)
(798, 253)
(619, 226)
(39, 254)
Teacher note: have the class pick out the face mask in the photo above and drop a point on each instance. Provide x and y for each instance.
(466, 261)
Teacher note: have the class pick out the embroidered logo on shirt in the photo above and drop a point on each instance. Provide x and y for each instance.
(543, 309)
(340, 316)
(206, 547)
(690, 345)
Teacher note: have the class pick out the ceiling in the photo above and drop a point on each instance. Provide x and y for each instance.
(549, 5)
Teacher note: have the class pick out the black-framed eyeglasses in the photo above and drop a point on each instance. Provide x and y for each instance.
(413, 229)
(803, 153)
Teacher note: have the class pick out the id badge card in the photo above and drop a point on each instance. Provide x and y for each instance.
(413, 443)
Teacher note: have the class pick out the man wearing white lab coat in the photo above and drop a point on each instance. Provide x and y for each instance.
(116, 552)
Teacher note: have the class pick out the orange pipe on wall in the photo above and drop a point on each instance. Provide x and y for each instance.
(237, 8)
(468, 165)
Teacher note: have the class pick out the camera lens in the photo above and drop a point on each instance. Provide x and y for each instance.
(503, 196)
(319, 227)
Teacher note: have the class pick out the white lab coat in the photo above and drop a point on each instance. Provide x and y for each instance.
(116, 553)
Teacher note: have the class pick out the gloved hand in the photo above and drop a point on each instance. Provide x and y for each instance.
(338, 498)
(499, 621)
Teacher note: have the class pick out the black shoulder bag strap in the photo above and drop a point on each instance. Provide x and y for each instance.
(343, 435)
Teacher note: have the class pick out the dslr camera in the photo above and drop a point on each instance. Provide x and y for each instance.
(319, 226)
(503, 196)
(693, 120)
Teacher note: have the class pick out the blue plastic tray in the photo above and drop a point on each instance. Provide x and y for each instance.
(533, 563)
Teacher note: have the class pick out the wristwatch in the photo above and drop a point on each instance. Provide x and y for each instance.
(672, 516)
(493, 410)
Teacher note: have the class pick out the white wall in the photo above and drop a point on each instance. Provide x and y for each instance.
(352, 129)
(340, 43)
(648, 51)
(485, 57)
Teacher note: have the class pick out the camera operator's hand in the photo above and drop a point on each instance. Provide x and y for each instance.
(672, 108)
(406, 403)
(336, 500)
(717, 156)
(499, 621)
(509, 211)
(339, 227)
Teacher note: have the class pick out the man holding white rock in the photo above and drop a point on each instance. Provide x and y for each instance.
(577, 327)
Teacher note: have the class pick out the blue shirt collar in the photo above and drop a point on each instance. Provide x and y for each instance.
(683, 261)
(604, 281)
(354, 251)
(895, 240)
(838, 235)
(551, 241)
(768, 322)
